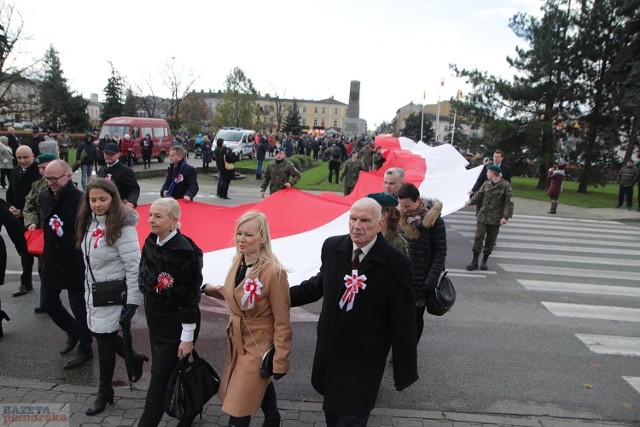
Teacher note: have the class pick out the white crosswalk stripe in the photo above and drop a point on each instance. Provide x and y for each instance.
(605, 344)
(582, 262)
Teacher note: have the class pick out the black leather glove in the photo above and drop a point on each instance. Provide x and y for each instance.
(278, 376)
(127, 314)
(421, 303)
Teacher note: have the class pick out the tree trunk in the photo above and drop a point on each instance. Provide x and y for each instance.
(632, 137)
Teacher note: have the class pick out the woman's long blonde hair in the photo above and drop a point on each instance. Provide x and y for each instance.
(265, 255)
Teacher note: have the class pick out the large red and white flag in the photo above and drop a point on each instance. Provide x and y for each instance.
(300, 221)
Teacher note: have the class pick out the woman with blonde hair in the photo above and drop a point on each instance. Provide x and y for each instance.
(257, 292)
(170, 276)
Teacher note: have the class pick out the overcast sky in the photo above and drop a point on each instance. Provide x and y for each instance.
(295, 48)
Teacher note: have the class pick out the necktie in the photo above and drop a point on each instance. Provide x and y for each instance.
(356, 259)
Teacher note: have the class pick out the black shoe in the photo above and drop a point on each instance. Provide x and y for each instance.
(70, 345)
(138, 362)
(100, 403)
(78, 360)
(226, 198)
(23, 290)
(38, 310)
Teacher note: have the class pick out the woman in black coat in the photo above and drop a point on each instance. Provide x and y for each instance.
(425, 232)
(225, 175)
(170, 277)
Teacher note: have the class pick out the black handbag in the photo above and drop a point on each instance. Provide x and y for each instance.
(266, 364)
(112, 292)
(191, 385)
(443, 296)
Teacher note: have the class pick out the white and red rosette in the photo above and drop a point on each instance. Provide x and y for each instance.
(179, 178)
(252, 291)
(97, 234)
(353, 284)
(165, 281)
(108, 177)
(56, 225)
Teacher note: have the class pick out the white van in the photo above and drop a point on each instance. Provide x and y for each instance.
(241, 141)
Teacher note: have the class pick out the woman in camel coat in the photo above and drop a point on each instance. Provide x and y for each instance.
(257, 292)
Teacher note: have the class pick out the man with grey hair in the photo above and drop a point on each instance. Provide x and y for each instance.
(393, 180)
(368, 308)
(182, 180)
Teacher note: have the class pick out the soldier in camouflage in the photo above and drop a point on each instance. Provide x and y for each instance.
(496, 198)
(367, 157)
(350, 173)
(279, 174)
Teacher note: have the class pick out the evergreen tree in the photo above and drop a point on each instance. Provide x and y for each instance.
(130, 107)
(113, 105)
(292, 122)
(59, 107)
(412, 126)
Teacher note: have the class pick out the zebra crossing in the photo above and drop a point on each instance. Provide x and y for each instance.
(574, 265)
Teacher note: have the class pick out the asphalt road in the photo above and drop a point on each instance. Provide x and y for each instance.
(507, 347)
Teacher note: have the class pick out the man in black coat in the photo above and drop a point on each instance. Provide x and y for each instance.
(20, 181)
(498, 160)
(120, 174)
(368, 308)
(63, 262)
(182, 180)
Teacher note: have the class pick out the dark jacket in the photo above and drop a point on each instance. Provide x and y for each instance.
(90, 150)
(427, 248)
(504, 169)
(352, 346)
(185, 178)
(179, 262)
(63, 261)
(15, 230)
(19, 186)
(221, 156)
(124, 178)
(262, 148)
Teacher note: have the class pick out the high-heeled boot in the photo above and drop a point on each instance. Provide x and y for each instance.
(105, 390)
(269, 407)
(3, 316)
(138, 362)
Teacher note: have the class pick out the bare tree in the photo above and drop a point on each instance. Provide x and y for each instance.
(179, 84)
(14, 84)
(151, 103)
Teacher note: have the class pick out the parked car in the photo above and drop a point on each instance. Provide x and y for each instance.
(241, 141)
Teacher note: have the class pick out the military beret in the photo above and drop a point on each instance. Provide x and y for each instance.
(279, 149)
(494, 168)
(385, 199)
(45, 158)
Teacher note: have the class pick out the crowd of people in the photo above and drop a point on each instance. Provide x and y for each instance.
(396, 238)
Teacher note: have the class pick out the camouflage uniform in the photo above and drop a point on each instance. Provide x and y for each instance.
(497, 203)
(350, 174)
(278, 174)
(31, 211)
(367, 157)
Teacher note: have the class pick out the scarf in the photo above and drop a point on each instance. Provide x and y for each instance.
(414, 218)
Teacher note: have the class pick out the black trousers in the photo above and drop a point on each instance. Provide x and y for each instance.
(4, 176)
(334, 169)
(420, 321)
(337, 420)
(164, 336)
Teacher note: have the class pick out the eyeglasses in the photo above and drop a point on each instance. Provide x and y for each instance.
(54, 178)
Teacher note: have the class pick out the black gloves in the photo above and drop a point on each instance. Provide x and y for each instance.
(278, 376)
(127, 314)
(421, 303)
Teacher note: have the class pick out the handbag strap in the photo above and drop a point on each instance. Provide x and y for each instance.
(254, 340)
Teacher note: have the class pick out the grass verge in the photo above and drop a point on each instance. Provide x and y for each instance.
(597, 197)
